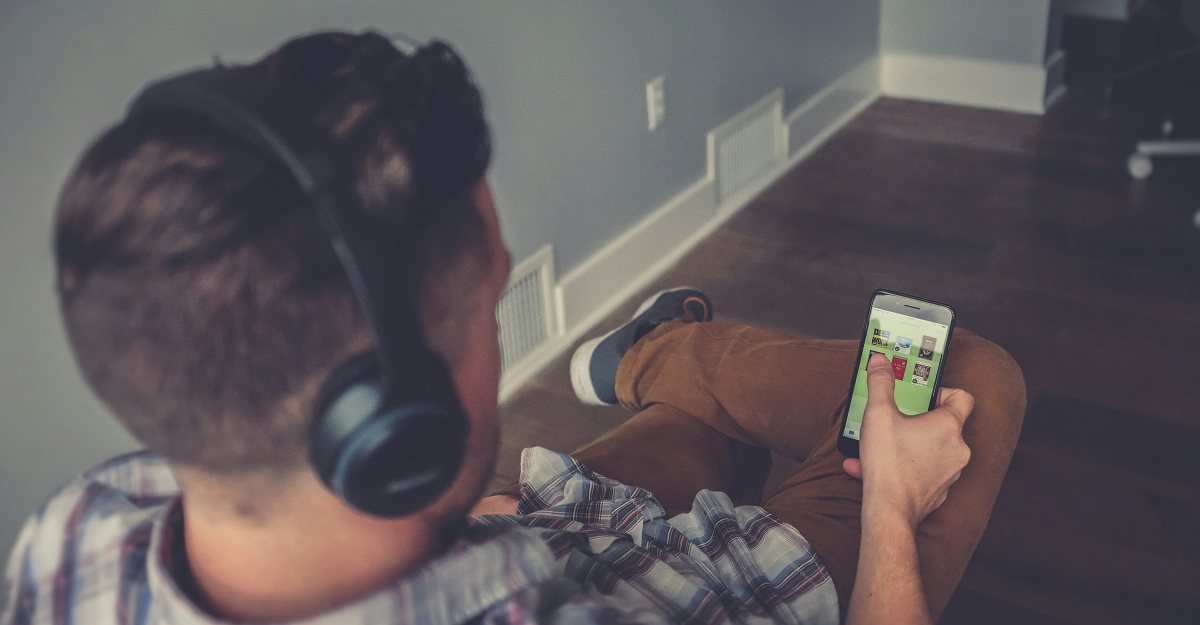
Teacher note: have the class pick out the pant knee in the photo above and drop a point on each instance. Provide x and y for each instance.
(989, 372)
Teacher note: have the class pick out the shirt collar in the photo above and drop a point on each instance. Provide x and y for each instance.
(486, 566)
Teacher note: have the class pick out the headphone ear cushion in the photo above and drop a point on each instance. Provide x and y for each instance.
(324, 437)
(359, 367)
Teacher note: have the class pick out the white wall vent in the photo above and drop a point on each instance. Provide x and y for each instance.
(747, 146)
(526, 312)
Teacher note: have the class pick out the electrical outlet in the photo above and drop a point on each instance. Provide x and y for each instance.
(656, 103)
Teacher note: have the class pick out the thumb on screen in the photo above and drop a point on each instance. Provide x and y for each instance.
(881, 382)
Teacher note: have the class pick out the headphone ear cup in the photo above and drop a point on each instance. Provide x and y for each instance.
(401, 461)
(386, 459)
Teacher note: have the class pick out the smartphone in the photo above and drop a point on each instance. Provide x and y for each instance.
(914, 335)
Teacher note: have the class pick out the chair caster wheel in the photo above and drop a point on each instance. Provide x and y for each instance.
(1140, 166)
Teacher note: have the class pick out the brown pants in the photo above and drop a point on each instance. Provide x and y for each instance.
(710, 395)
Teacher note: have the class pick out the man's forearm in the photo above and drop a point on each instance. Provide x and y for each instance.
(888, 587)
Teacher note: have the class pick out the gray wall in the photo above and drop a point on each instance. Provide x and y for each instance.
(1014, 31)
(564, 83)
(1054, 25)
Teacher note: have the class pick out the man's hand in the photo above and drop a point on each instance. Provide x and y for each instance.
(908, 463)
(907, 466)
(496, 504)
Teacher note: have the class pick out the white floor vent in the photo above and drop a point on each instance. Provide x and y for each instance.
(747, 146)
(526, 310)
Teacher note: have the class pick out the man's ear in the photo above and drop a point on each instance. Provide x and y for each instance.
(455, 294)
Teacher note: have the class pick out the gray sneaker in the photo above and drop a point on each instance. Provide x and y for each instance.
(594, 365)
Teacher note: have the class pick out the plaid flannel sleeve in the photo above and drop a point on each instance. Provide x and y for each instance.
(17, 602)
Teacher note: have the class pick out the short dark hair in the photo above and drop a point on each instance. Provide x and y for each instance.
(197, 287)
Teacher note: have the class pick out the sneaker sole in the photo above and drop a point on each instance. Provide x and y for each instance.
(581, 374)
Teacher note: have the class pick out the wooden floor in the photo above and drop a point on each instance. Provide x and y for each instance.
(1032, 229)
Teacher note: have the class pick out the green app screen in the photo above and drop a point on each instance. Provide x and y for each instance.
(914, 347)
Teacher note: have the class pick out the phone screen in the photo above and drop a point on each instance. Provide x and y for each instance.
(914, 347)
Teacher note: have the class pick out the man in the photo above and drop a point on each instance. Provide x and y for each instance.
(206, 308)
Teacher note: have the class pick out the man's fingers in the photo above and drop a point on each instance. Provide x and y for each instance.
(853, 466)
(496, 504)
(954, 401)
(881, 383)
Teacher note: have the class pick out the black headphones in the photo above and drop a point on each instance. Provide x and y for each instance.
(388, 430)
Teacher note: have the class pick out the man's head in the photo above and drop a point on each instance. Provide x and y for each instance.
(201, 295)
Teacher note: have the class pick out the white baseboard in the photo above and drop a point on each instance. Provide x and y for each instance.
(1056, 70)
(607, 274)
(970, 82)
(809, 124)
(590, 292)
(617, 271)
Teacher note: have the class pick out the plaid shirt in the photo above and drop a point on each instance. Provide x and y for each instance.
(582, 549)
